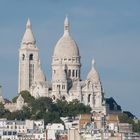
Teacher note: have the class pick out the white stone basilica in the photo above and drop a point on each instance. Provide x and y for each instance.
(66, 83)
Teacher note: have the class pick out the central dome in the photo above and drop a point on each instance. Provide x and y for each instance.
(66, 47)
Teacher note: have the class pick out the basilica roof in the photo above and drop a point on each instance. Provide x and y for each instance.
(66, 47)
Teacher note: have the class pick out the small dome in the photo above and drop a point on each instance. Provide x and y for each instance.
(66, 47)
(93, 75)
(28, 35)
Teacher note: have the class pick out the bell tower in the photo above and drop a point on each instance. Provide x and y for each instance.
(28, 59)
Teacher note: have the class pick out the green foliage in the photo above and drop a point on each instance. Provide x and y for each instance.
(136, 127)
(123, 118)
(27, 96)
(14, 99)
(41, 104)
(3, 112)
(61, 107)
(75, 108)
(45, 108)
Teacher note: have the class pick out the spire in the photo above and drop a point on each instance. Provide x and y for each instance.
(66, 25)
(93, 74)
(93, 63)
(28, 37)
(28, 24)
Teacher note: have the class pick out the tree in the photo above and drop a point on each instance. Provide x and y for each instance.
(27, 96)
(3, 112)
(14, 99)
(75, 108)
(41, 104)
(62, 108)
(123, 118)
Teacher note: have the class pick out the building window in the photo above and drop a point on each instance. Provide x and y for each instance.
(89, 98)
(4, 133)
(63, 86)
(14, 133)
(63, 98)
(73, 74)
(58, 86)
(76, 73)
(69, 73)
(23, 56)
(31, 74)
(31, 57)
(54, 71)
(9, 133)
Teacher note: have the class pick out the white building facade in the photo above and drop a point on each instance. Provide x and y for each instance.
(19, 130)
(66, 83)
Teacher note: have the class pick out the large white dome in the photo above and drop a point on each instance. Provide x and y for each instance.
(66, 47)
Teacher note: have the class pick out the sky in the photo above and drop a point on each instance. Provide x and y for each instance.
(106, 30)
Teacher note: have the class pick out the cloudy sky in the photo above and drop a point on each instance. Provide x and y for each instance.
(107, 30)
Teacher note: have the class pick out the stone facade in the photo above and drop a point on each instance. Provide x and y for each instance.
(66, 83)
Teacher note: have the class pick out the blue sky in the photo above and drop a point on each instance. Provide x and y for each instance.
(107, 30)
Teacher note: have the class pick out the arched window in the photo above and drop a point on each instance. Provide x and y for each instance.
(23, 56)
(31, 57)
(69, 73)
(58, 86)
(76, 73)
(89, 98)
(73, 73)
(63, 98)
(63, 86)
